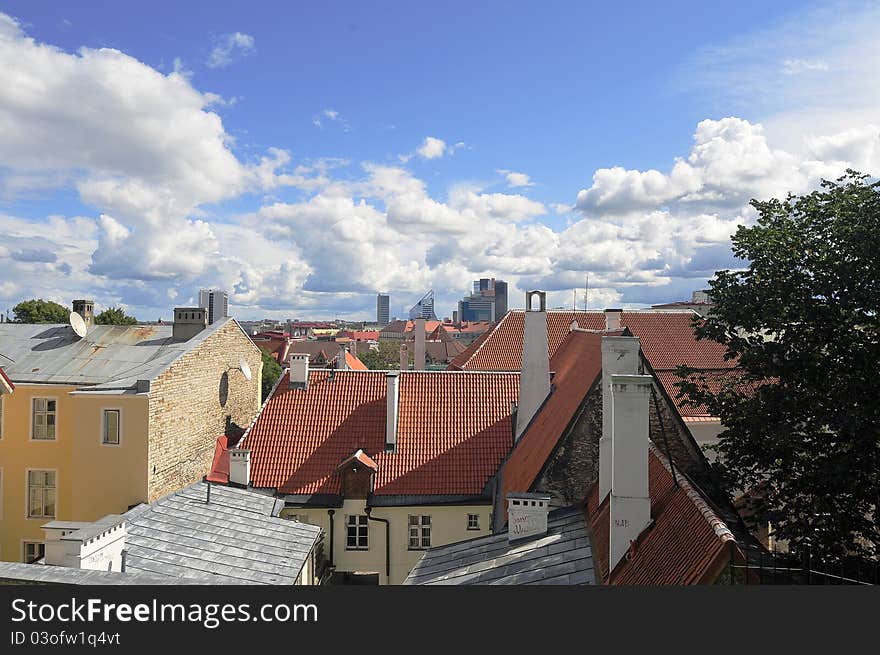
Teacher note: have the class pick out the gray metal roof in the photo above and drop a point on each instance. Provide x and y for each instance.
(235, 536)
(563, 556)
(64, 575)
(109, 357)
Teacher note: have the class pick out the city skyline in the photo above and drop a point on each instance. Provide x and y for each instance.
(171, 157)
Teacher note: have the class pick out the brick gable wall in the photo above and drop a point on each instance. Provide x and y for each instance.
(195, 401)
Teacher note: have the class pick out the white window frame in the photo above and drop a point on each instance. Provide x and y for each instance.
(419, 530)
(27, 494)
(104, 411)
(24, 545)
(359, 526)
(33, 417)
(476, 523)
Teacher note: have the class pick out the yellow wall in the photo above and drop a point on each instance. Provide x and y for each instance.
(92, 480)
(448, 525)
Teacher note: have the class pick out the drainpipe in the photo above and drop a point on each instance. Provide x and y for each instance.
(330, 513)
(387, 523)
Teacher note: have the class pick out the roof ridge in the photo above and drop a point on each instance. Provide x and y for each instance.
(696, 497)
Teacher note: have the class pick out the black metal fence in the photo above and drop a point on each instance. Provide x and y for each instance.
(761, 566)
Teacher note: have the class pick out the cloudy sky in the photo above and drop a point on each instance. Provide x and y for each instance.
(306, 156)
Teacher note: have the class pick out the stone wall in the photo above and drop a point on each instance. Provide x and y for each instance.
(200, 397)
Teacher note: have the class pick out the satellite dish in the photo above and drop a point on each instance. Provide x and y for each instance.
(244, 368)
(78, 324)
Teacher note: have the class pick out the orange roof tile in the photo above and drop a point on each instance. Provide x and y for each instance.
(454, 430)
(576, 363)
(667, 340)
(686, 543)
(354, 363)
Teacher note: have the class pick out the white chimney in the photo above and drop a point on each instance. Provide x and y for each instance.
(419, 357)
(239, 467)
(392, 403)
(620, 355)
(404, 357)
(299, 371)
(534, 380)
(630, 508)
(526, 515)
(95, 546)
(612, 319)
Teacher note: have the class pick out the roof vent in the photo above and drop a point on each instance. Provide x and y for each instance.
(299, 371)
(527, 515)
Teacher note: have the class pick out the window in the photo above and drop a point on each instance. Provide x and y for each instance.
(44, 419)
(33, 550)
(419, 532)
(473, 522)
(356, 532)
(41, 494)
(111, 427)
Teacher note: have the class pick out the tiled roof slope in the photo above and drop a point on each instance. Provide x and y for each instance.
(667, 340)
(562, 556)
(577, 363)
(686, 544)
(454, 430)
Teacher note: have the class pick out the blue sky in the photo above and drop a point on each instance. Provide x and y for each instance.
(305, 157)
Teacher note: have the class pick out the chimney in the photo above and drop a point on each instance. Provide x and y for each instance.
(341, 361)
(392, 405)
(96, 546)
(404, 357)
(534, 380)
(188, 322)
(299, 371)
(527, 515)
(86, 309)
(630, 508)
(612, 319)
(419, 357)
(239, 467)
(620, 355)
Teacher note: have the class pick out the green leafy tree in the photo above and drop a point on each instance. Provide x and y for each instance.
(114, 316)
(40, 311)
(802, 415)
(271, 373)
(385, 357)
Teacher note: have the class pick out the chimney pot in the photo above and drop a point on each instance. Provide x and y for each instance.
(392, 404)
(239, 466)
(299, 371)
(612, 319)
(527, 515)
(188, 322)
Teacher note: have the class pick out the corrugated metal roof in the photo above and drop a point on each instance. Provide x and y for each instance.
(109, 357)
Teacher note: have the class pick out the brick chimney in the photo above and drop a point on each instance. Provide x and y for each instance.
(419, 355)
(404, 357)
(239, 467)
(630, 505)
(188, 322)
(612, 319)
(620, 355)
(299, 371)
(534, 380)
(392, 406)
(86, 309)
(526, 515)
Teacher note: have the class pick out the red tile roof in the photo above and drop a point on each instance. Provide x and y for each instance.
(667, 340)
(5, 382)
(454, 429)
(686, 543)
(354, 363)
(359, 335)
(220, 465)
(362, 458)
(576, 363)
